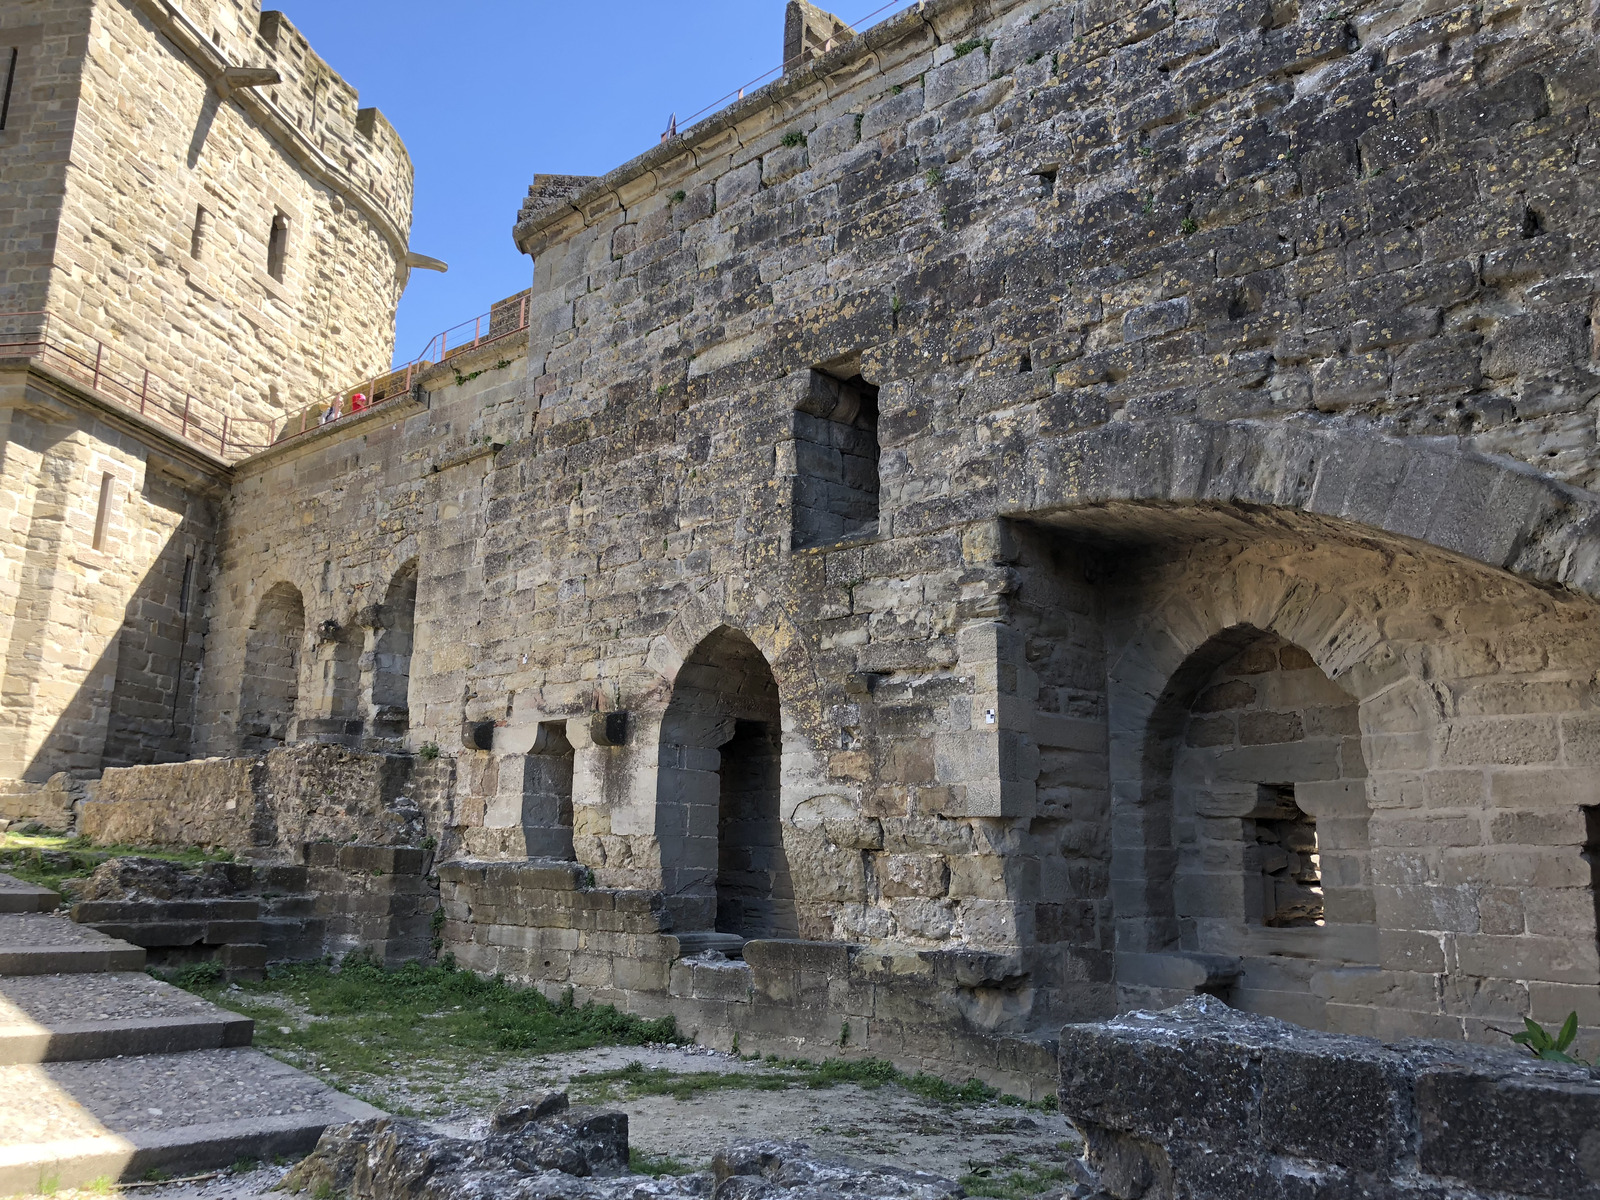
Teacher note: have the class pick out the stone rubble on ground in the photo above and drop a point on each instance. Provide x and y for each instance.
(540, 1147)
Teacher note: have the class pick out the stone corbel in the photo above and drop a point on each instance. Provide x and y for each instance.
(234, 79)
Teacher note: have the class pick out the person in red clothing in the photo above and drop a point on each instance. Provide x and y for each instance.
(358, 403)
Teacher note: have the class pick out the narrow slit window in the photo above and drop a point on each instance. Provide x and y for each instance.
(11, 78)
(278, 247)
(1591, 854)
(102, 516)
(202, 228)
(1291, 860)
(186, 591)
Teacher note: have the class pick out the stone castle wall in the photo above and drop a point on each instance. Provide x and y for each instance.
(348, 541)
(50, 38)
(101, 645)
(1187, 329)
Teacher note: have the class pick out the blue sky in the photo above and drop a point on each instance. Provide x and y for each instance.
(487, 93)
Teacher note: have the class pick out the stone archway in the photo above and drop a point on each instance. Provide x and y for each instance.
(270, 692)
(1478, 737)
(1255, 815)
(718, 823)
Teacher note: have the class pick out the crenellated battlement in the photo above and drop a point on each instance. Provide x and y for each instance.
(327, 110)
(313, 101)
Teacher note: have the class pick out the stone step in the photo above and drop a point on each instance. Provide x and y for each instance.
(62, 1018)
(152, 934)
(278, 877)
(101, 912)
(18, 897)
(50, 944)
(63, 1125)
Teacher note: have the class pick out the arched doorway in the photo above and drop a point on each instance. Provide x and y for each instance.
(271, 687)
(717, 818)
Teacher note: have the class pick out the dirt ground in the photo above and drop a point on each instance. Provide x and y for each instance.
(1000, 1149)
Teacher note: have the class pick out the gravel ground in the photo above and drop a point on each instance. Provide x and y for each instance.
(886, 1124)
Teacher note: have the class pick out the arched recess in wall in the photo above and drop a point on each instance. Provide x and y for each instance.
(717, 800)
(1253, 816)
(391, 665)
(271, 689)
(1480, 737)
(337, 673)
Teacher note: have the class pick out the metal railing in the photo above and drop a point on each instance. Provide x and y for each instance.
(503, 319)
(126, 382)
(858, 26)
(117, 376)
(349, 402)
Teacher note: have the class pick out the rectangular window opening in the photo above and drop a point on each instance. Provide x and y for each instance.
(278, 247)
(202, 226)
(836, 461)
(11, 78)
(1291, 862)
(102, 516)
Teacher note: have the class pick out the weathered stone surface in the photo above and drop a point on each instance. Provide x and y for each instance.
(134, 878)
(1169, 341)
(577, 1155)
(1206, 1102)
(1073, 504)
(291, 796)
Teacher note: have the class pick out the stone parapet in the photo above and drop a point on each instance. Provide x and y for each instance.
(1207, 1103)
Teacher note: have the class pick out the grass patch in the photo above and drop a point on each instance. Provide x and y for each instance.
(50, 859)
(650, 1164)
(366, 1022)
(636, 1080)
(1011, 1179)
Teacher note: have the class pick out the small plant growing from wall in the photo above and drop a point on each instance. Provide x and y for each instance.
(794, 138)
(1540, 1043)
(428, 751)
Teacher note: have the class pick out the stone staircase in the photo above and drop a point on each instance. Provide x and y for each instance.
(249, 913)
(108, 1074)
(271, 913)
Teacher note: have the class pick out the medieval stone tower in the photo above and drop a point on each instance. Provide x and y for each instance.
(201, 233)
